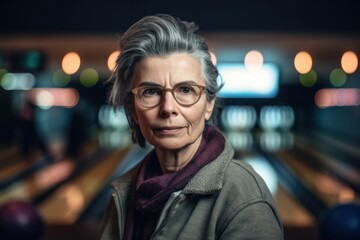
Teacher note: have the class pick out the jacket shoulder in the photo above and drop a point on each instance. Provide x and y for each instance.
(245, 192)
(242, 180)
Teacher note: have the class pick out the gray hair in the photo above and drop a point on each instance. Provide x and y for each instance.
(159, 35)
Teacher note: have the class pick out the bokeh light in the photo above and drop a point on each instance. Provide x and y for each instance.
(240, 140)
(112, 118)
(48, 97)
(266, 171)
(60, 78)
(337, 77)
(238, 117)
(44, 99)
(349, 62)
(32, 60)
(17, 81)
(213, 58)
(253, 60)
(308, 79)
(337, 97)
(273, 140)
(89, 77)
(303, 62)
(71, 63)
(111, 63)
(74, 197)
(276, 117)
(3, 71)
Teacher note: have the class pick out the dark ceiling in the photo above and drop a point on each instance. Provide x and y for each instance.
(109, 16)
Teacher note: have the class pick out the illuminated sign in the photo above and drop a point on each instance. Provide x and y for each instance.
(240, 82)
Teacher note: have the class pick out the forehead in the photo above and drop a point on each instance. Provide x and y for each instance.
(171, 69)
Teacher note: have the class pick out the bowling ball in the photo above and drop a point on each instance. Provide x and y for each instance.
(341, 222)
(20, 220)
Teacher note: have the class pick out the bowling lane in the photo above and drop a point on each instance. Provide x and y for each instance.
(68, 202)
(8, 152)
(319, 171)
(350, 147)
(21, 166)
(313, 171)
(324, 185)
(340, 158)
(95, 210)
(337, 157)
(292, 211)
(33, 185)
(239, 123)
(17, 163)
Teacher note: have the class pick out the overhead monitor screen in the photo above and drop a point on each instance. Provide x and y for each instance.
(240, 82)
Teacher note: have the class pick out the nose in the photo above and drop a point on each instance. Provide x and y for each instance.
(168, 106)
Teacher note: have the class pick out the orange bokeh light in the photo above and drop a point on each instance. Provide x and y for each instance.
(349, 62)
(213, 58)
(111, 63)
(303, 62)
(71, 63)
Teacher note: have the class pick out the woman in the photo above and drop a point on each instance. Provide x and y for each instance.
(189, 186)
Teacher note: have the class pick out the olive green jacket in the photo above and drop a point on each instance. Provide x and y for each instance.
(226, 199)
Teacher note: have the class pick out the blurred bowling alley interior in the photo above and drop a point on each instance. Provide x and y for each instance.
(290, 107)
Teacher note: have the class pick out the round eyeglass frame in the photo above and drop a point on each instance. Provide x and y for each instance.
(171, 90)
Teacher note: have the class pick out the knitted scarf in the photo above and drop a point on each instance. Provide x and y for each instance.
(153, 188)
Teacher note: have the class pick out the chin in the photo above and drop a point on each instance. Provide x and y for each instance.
(173, 143)
(170, 145)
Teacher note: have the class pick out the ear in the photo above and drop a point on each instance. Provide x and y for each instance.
(209, 109)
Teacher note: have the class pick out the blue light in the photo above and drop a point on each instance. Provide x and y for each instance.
(240, 82)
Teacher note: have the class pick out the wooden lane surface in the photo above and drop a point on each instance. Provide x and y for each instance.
(53, 173)
(67, 203)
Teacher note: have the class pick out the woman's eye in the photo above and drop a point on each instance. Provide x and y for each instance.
(185, 89)
(151, 92)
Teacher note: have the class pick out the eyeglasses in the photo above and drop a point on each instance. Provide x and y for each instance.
(185, 94)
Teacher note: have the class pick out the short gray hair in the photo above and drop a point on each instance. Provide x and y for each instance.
(151, 36)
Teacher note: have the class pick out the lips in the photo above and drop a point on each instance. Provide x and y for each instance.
(168, 130)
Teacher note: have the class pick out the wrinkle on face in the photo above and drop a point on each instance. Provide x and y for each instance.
(173, 150)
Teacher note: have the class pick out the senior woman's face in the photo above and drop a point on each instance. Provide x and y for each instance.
(170, 125)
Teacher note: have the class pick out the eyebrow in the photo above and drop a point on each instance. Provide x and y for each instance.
(146, 83)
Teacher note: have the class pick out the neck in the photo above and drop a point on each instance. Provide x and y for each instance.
(174, 160)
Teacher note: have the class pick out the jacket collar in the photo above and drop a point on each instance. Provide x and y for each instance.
(211, 177)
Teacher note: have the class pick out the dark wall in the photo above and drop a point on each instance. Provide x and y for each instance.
(93, 16)
(341, 121)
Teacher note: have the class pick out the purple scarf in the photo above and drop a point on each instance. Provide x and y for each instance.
(153, 189)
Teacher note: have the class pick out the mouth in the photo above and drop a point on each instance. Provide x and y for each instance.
(168, 130)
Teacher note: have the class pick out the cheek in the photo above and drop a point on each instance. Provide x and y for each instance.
(144, 125)
(145, 118)
(142, 119)
(195, 117)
